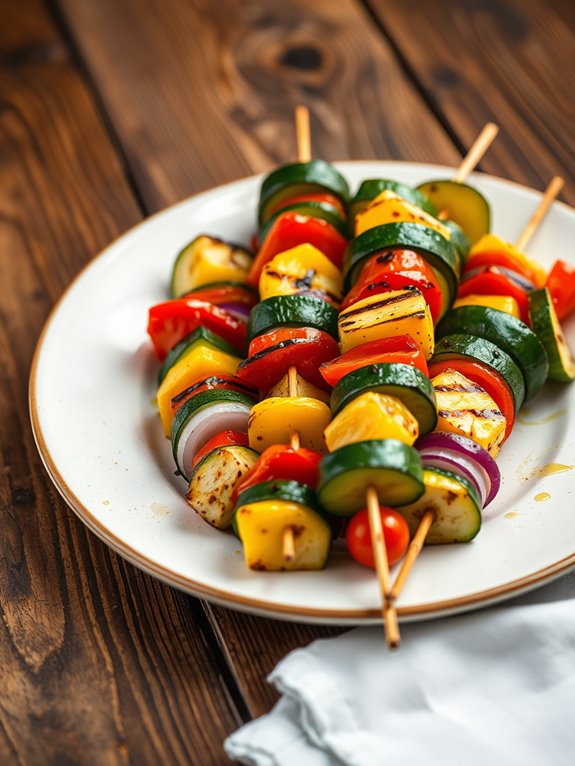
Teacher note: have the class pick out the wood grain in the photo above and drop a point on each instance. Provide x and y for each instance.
(98, 662)
(194, 110)
(510, 61)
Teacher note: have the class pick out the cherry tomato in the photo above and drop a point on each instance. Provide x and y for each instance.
(395, 532)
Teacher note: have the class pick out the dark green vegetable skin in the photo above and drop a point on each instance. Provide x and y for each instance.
(508, 333)
(185, 344)
(292, 311)
(372, 187)
(484, 351)
(402, 381)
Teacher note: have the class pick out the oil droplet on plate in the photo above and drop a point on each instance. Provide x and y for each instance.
(549, 469)
(540, 421)
(541, 497)
(511, 515)
(105, 502)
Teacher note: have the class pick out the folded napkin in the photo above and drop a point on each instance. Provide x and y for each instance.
(493, 687)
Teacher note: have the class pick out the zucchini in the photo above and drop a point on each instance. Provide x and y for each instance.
(300, 178)
(292, 311)
(187, 345)
(459, 240)
(225, 258)
(461, 203)
(402, 381)
(202, 417)
(214, 479)
(310, 209)
(439, 253)
(291, 491)
(372, 187)
(469, 346)
(508, 333)
(396, 312)
(456, 505)
(544, 321)
(393, 468)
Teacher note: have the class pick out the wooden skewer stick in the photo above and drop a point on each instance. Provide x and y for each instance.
(551, 193)
(303, 135)
(382, 567)
(288, 544)
(478, 149)
(413, 552)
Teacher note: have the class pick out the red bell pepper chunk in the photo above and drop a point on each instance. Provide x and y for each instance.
(282, 463)
(500, 258)
(223, 439)
(292, 229)
(492, 281)
(396, 270)
(486, 377)
(170, 322)
(561, 285)
(225, 382)
(273, 353)
(400, 349)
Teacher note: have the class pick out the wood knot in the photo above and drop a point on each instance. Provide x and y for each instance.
(303, 57)
(23, 498)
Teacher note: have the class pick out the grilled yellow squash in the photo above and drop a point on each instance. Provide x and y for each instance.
(397, 312)
(389, 207)
(303, 269)
(465, 408)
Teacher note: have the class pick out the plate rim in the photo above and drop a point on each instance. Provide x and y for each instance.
(429, 610)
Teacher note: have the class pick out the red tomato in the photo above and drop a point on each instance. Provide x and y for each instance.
(395, 533)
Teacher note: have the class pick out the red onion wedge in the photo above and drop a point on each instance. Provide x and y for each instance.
(461, 455)
(238, 310)
(205, 423)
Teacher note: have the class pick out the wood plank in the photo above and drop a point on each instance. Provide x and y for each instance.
(200, 94)
(98, 662)
(510, 61)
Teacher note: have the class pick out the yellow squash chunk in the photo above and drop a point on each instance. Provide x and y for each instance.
(214, 261)
(388, 207)
(490, 242)
(303, 269)
(397, 312)
(303, 388)
(273, 420)
(371, 416)
(505, 303)
(204, 360)
(261, 528)
(465, 408)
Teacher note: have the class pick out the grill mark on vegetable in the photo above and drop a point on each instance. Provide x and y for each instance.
(304, 283)
(487, 414)
(380, 304)
(277, 347)
(414, 315)
(241, 387)
(472, 389)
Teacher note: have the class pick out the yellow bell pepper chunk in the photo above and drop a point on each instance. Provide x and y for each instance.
(465, 408)
(273, 420)
(491, 243)
(371, 416)
(303, 388)
(303, 269)
(201, 362)
(261, 528)
(505, 303)
(397, 312)
(216, 261)
(389, 207)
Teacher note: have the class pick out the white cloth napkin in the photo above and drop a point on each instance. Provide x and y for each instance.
(494, 687)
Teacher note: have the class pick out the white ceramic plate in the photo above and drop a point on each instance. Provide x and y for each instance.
(91, 396)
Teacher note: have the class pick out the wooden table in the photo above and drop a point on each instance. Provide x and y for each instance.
(111, 110)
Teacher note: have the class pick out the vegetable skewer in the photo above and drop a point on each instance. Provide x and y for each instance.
(476, 152)
(418, 540)
(303, 141)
